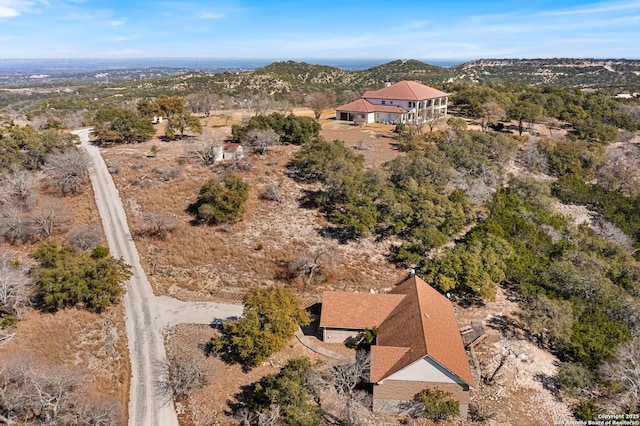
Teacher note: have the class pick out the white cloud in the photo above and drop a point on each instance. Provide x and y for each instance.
(117, 22)
(599, 8)
(123, 38)
(14, 8)
(7, 12)
(205, 14)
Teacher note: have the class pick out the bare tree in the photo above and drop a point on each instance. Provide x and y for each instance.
(201, 102)
(14, 286)
(180, 376)
(204, 153)
(260, 104)
(48, 217)
(272, 193)
(532, 158)
(349, 95)
(490, 113)
(320, 101)
(609, 231)
(67, 171)
(260, 139)
(624, 369)
(156, 224)
(434, 121)
(16, 184)
(618, 172)
(15, 225)
(179, 379)
(307, 264)
(34, 393)
(271, 417)
(347, 380)
(206, 149)
(84, 237)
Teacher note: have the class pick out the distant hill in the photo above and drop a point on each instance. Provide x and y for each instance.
(618, 74)
(279, 77)
(284, 77)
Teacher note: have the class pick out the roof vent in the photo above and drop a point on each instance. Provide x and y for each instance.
(426, 316)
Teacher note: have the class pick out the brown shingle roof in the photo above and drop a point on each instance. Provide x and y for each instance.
(362, 105)
(425, 322)
(405, 90)
(383, 358)
(414, 320)
(356, 310)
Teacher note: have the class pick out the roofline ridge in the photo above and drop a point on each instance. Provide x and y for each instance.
(422, 314)
(415, 95)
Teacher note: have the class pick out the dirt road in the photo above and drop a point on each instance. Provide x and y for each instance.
(146, 314)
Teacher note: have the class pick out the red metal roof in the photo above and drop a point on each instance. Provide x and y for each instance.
(405, 90)
(231, 146)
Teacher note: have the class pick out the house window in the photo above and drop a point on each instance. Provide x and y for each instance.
(391, 102)
(384, 102)
(412, 104)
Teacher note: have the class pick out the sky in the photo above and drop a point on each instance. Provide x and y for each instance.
(308, 29)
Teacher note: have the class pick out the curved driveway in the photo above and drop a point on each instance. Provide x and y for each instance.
(145, 314)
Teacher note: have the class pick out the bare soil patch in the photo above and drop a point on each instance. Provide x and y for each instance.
(526, 390)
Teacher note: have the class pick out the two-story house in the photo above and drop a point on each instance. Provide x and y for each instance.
(402, 102)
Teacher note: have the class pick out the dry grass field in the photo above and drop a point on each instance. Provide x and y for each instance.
(222, 262)
(92, 345)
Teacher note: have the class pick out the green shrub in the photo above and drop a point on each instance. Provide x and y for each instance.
(291, 128)
(575, 377)
(587, 409)
(288, 390)
(435, 404)
(270, 318)
(91, 280)
(221, 201)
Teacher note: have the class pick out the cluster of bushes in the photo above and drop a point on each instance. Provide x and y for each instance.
(593, 116)
(27, 148)
(576, 285)
(89, 279)
(269, 319)
(622, 210)
(112, 125)
(410, 196)
(407, 197)
(291, 128)
(571, 157)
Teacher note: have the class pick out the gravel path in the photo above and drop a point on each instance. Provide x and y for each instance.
(145, 314)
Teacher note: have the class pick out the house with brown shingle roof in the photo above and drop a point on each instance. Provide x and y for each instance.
(418, 345)
(402, 102)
